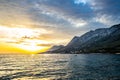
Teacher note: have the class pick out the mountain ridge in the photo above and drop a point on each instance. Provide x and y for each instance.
(105, 40)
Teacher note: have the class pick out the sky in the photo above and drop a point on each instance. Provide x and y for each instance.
(36, 25)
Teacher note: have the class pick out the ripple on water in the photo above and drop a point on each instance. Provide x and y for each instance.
(59, 67)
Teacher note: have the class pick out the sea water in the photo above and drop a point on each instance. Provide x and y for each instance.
(60, 67)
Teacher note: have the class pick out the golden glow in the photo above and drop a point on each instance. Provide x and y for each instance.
(32, 46)
(24, 31)
(22, 40)
(6, 48)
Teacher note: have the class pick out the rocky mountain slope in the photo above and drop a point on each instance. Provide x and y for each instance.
(56, 47)
(105, 40)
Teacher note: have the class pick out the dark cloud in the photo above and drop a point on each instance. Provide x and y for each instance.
(62, 13)
(66, 14)
(107, 10)
(69, 8)
(110, 7)
(44, 45)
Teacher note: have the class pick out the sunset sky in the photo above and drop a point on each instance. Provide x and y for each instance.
(30, 26)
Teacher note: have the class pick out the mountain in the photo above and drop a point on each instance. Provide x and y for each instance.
(55, 48)
(103, 40)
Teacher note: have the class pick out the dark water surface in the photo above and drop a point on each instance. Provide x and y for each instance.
(60, 67)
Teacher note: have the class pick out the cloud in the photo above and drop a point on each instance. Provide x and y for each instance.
(17, 35)
(66, 14)
(14, 12)
(54, 20)
(45, 45)
(106, 19)
(106, 10)
(80, 2)
(106, 6)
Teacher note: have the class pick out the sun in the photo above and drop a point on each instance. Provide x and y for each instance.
(23, 39)
(32, 46)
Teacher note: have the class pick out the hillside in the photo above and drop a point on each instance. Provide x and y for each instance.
(103, 40)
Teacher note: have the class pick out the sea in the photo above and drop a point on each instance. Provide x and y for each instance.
(60, 67)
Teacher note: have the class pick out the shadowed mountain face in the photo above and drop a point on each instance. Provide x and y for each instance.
(54, 48)
(101, 40)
